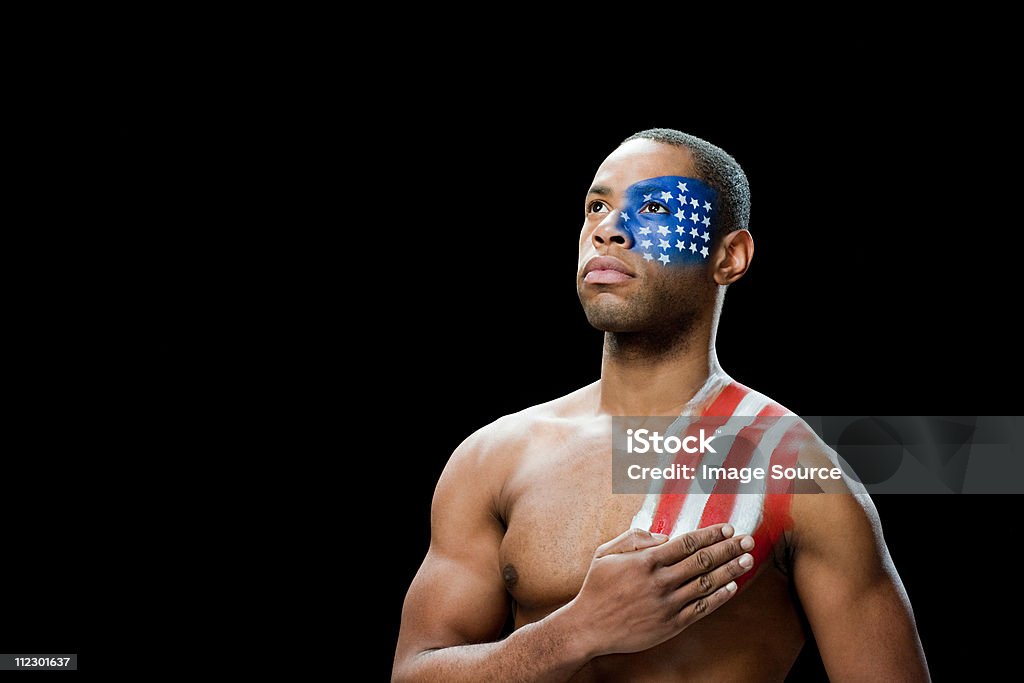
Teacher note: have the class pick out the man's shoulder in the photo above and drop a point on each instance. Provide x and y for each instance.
(509, 434)
(512, 429)
(794, 432)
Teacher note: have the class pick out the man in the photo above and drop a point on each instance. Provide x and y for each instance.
(677, 585)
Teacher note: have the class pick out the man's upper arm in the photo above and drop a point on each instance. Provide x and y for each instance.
(457, 596)
(850, 591)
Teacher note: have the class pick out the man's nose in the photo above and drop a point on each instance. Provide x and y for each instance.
(614, 229)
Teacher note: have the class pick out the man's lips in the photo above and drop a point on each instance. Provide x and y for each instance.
(606, 270)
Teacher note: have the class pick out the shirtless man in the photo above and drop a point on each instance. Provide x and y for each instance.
(524, 515)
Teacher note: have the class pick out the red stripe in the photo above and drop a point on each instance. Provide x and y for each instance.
(723, 498)
(717, 414)
(775, 518)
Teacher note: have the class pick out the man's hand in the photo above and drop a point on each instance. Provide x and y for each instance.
(642, 589)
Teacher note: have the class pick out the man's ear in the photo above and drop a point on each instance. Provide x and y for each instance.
(733, 256)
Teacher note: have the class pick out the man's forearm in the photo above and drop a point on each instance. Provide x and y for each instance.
(545, 651)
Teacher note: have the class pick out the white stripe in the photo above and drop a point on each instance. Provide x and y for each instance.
(747, 512)
(693, 506)
(752, 404)
(714, 384)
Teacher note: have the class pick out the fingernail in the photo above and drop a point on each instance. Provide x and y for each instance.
(727, 530)
(747, 543)
(731, 586)
(659, 537)
(746, 560)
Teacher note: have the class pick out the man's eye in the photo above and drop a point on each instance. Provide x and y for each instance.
(598, 207)
(653, 207)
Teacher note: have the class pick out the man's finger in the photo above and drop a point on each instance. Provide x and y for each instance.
(682, 547)
(706, 560)
(629, 541)
(700, 608)
(705, 584)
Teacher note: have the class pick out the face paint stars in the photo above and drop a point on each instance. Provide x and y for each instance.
(667, 197)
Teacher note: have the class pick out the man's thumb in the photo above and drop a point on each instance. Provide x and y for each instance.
(630, 541)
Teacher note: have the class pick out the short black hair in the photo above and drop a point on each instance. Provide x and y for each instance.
(717, 168)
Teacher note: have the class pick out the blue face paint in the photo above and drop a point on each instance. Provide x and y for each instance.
(671, 219)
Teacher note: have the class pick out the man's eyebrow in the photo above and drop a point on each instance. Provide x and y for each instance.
(600, 189)
(646, 188)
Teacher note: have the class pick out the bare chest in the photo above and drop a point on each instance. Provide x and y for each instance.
(559, 508)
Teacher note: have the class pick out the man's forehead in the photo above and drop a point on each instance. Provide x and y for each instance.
(640, 159)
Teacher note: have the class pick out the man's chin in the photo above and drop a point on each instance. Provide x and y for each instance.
(606, 319)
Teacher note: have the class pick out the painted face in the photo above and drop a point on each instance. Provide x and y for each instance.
(671, 219)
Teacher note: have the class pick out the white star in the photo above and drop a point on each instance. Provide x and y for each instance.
(704, 252)
(645, 231)
(693, 217)
(624, 216)
(647, 197)
(707, 206)
(663, 244)
(693, 247)
(706, 221)
(682, 187)
(680, 215)
(663, 258)
(666, 196)
(647, 256)
(662, 230)
(682, 199)
(706, 236)
(680, 245)
(681, 229)
(694, 203)
(693, 232)
(646, 244)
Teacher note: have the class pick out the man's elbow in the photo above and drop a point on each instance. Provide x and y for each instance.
(411, 667)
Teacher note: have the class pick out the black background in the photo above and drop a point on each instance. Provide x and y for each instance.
(884, 282)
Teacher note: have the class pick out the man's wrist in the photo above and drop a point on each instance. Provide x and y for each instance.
(572, 630)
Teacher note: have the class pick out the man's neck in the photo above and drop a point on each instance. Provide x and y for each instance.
(651, 374)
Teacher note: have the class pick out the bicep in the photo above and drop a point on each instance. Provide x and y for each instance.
(850, 591)
(457, 596)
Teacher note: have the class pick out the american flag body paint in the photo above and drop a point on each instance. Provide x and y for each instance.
(759, 507)
(671, 219)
